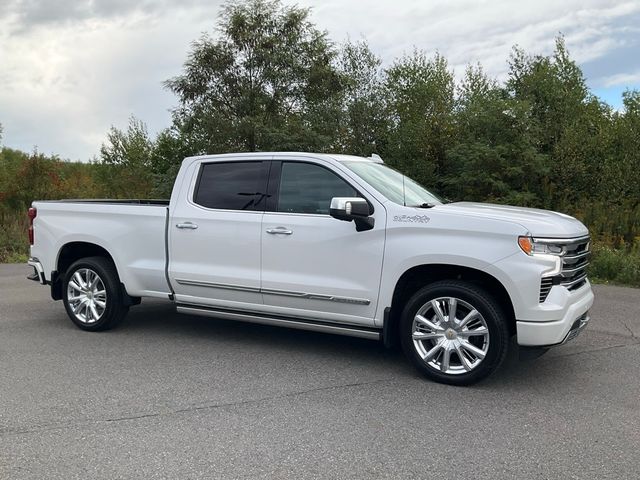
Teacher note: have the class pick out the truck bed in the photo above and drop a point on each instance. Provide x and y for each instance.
(133, 231)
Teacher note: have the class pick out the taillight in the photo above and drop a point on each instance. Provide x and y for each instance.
(32, 214)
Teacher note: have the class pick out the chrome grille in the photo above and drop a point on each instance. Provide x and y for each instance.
(575, 260)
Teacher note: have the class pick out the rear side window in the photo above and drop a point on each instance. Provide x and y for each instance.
(309, 188)
(231, 185)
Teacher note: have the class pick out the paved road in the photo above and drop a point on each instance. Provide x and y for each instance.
(170, 396)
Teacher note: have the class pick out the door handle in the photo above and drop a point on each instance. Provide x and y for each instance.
(189, 225)
(279, 231)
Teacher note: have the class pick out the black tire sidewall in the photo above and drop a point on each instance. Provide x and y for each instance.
(114, 308)
(481, 301)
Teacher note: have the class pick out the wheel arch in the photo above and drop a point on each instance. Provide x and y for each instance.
(420, 276)
(73, 251)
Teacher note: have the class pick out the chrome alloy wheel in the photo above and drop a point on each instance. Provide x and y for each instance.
(86, 295)
(450, 335)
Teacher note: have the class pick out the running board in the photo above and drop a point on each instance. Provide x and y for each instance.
(280, 321)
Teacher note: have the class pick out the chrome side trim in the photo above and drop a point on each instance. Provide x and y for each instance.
(224, 286)
(272, 291)
(313, 326)
(315, 296)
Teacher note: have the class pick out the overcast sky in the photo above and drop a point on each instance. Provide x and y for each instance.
(69, 69)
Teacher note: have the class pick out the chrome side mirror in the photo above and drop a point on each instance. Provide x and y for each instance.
(354, 209)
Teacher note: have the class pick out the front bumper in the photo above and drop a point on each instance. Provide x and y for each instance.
(557, 332)
(38, 271)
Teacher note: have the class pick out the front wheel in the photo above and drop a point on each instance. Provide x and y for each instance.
(454, 332)
(92, 295)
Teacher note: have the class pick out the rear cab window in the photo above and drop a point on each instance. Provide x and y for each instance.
(232, 185)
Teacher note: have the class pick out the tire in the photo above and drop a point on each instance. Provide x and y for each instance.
(105, 296)
(455, 353)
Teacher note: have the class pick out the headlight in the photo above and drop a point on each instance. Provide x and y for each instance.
(545, 251)
(531, 247)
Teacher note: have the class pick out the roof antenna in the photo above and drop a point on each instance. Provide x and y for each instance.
(404, 196)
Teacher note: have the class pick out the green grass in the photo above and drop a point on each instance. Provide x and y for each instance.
(14, 243)
(616, 266)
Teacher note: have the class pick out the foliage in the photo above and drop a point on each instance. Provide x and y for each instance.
(126, 168)
(494, 157)
(419, 101)
(362, 120)
(13, 237)
(269, 79)
(266, 81)
(615, 266)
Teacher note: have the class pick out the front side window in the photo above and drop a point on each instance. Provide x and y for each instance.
(309, 188)
(231, 185)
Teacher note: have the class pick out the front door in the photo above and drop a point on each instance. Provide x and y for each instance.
(313, 265)
(215, 235)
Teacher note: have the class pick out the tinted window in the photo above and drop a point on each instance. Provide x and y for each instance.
(231, 186)
(308, 188)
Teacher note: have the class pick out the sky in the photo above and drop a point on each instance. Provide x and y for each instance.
(71, 69)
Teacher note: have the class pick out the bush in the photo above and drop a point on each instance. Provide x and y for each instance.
(620, 266)
(14, 244)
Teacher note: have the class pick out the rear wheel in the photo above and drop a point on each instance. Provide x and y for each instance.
(92, 295)
(454, 332)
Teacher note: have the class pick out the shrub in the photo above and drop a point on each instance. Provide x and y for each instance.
(620, 266)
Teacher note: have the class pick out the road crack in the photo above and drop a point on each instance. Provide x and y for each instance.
(176, 411)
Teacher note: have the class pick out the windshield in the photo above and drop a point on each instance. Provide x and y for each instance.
(392, 184)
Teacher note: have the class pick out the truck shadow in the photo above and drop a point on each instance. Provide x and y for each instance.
(155, 318)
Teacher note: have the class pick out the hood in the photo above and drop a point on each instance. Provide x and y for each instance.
(539, 223)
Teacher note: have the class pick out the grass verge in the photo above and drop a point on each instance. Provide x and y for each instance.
(616, 266)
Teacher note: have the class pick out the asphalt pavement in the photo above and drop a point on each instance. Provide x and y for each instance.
(173, 396)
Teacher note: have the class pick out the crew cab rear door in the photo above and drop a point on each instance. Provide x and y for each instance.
(313, 265)
(215, 233)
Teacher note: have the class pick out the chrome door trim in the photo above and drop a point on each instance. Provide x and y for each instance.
(316, 296)
(311, 325)
(223, 286)
(272, 291)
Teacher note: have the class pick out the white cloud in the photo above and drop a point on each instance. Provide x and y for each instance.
(64, 85)
(622, 79)
(68, 73)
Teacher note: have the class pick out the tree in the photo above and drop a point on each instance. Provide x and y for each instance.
(494, 156)
(265, 82)
(419, 103)
(126, 167)
(170, 148)
(363, 119)
(567, 115)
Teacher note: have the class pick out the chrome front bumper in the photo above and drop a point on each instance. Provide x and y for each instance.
(578, 326)
(38, 271)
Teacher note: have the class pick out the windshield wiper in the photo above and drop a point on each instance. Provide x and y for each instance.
(426, 205)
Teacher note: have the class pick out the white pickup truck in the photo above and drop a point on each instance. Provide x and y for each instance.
(330, 243)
